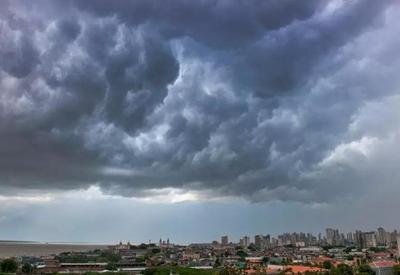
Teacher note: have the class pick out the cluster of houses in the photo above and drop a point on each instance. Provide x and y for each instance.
(134, 259)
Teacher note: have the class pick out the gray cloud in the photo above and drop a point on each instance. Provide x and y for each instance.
(264, 100)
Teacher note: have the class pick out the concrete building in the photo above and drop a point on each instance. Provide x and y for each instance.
(259, 241)
(358, 239)
(224, 240)
(267, 241)
(365, 239)
(370, 239)
(245, 241)
(393, 239)
(349, 237)
(398, 246)
(381, 237)
(333, 237)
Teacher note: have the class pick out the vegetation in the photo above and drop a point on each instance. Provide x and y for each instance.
(111, 266)
(396, 270)
(106, 273)
(241, 253)
(9, 266)
(217, 263)
(252, 247)
(349, 249)
(102, 257)
(344, 269)
(182, 271)
(365, 269)
(265, 260)
(27, 268)
(327, 265)
(227, 271)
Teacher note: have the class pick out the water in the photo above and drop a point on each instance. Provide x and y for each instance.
(13, 249)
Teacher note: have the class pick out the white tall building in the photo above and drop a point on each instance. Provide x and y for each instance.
(333, 236)
(224, 240)
(259, 241)
(381, 238)
(245, 241)
(398, 245)
(370, 239)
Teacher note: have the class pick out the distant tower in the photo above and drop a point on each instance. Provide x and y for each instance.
(398, 245)
(381, 236)
(224, 240)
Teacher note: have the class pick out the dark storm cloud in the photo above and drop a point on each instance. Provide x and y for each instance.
(233, 98)
(284, 60)
(222, 24)
(20, 57)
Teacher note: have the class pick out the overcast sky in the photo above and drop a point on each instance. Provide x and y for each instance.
(135, 120)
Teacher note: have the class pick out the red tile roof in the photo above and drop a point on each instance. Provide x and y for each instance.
(303, 269)
(383, 264)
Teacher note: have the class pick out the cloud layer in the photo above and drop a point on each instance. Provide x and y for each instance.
(265, 100)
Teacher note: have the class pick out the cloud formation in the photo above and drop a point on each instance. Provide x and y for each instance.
(265, 100)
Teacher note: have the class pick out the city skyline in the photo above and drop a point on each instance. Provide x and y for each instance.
(360, 252)
(124, 120)
(228, 239)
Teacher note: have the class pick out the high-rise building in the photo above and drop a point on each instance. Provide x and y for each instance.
(247, 241)
(333, 236)
(381, 236)
(224, 240)
(398, 245)
(370, 239)
(267, 241)
(349, 237)
(259, 241)
(358, 239)
(393, 239)
(365, 239)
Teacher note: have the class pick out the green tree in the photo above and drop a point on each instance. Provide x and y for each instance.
(327, 265)
(111, 266)
(265, 260)
(9, 266)
(342, 269)
(108, 256)
(27, 268)
(217, 263)
(228, 271)
(365, 269)
(241, 253)
(348, 249)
